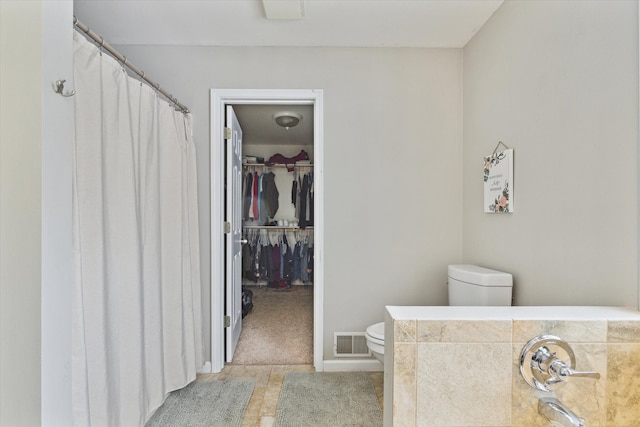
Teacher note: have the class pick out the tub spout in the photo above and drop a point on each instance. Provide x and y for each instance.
(554, 410)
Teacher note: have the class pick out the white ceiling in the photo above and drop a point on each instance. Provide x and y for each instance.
(347, 23)
(327, 23)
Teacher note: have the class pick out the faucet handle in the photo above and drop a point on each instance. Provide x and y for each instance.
(547, 361)
(563, 372)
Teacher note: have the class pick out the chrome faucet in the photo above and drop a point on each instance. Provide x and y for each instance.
(557, 369)
(553, 410)
(548, 361)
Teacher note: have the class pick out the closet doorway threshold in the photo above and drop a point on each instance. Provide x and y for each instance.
(220, 98)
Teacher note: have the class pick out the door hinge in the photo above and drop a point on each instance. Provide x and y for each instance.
(227, 227)
(227, 321)
(227, 133)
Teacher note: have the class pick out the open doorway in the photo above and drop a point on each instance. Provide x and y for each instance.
(254, 107)
(277, 234)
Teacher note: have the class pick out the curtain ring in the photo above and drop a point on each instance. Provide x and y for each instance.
(124, 64)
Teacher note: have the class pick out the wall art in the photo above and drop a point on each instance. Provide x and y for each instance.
(498, 181)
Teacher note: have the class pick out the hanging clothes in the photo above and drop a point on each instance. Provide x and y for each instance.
(270, 194)
(310, 201)
(310, 264)
(254, 200)
(260, 197)
(275, 263)
(277, 258)
(303, 189)
(247, 191)
(304, 274)
(302, 201)
(297, 261)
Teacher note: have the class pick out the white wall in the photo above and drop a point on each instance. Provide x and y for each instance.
(393, 173)
(36, 132)
(20, 207)
(557, 82)
(57, 156)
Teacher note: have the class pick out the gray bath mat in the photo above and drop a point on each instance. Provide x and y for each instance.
(205, 403)
(336, 399)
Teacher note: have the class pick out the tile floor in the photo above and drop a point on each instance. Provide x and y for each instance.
(268, 379)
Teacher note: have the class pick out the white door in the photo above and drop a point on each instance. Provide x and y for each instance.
(234, 235)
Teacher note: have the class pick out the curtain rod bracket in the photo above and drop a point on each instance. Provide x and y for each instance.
(58, 87)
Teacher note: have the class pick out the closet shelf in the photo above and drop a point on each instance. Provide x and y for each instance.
(275, 227)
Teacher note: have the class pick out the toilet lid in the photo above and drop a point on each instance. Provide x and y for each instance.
(376, 331)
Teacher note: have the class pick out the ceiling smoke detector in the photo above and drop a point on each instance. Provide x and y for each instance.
(287, 119)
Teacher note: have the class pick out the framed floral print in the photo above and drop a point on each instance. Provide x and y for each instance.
(498, 182)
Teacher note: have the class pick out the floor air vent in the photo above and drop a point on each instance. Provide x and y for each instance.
(350, 344)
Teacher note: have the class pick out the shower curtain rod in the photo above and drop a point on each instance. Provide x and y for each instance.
(123, 59)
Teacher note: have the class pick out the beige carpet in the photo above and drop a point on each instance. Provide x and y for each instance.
(279, 328)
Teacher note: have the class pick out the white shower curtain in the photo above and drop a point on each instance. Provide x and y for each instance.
(137, 302)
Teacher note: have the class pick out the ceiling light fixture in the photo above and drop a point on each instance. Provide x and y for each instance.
(287, 119)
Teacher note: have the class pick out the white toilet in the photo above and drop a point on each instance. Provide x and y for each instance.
(375, 340)
(468, 285)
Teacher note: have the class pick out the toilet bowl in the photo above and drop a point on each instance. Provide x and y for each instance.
(375, 340)
(467, 285)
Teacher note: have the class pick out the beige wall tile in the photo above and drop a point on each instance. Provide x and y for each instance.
(404, 385)
(464, 384)
(570, 331)
(524, 409)
(623, 385)
(464, 331)
(404, 330)
(623, 332)
(586, 396)
(455, 379)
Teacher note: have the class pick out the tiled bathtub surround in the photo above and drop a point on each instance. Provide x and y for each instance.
(459, 366)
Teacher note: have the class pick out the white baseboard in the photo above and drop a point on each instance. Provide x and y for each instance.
(369, 365)
(206, 368)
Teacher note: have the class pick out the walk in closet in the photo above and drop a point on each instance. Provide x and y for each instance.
(278, 232)
(277, 223)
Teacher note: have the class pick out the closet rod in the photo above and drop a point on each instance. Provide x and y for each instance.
(123, 59)
(276, 165)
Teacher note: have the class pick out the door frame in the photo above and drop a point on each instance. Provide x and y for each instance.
(219, 99)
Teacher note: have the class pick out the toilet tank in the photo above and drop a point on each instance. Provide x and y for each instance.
(475, 285)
